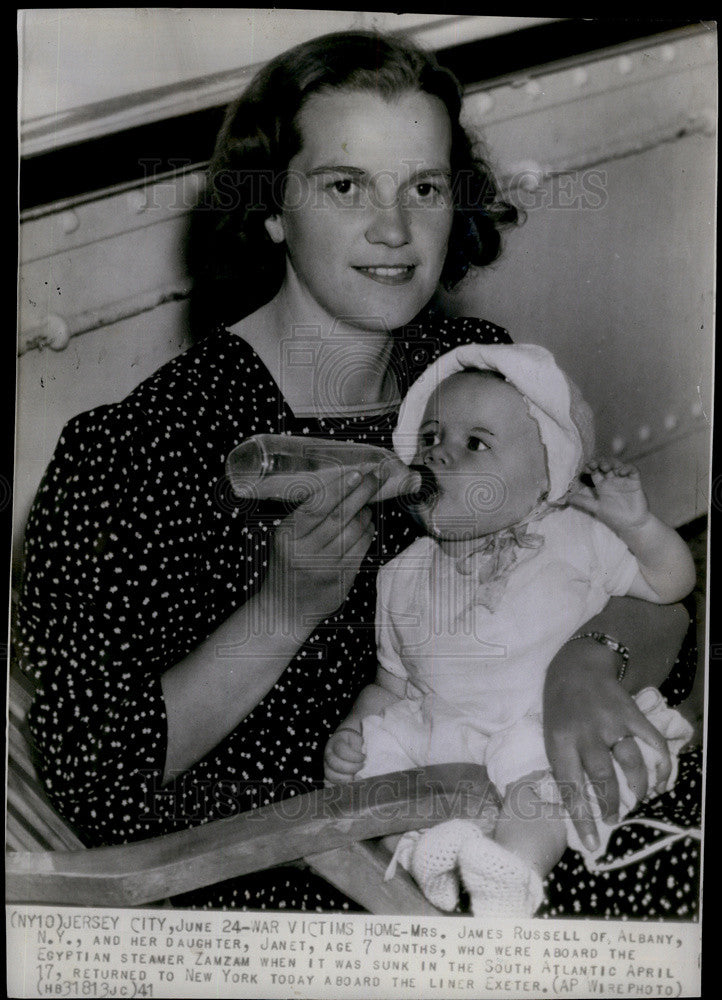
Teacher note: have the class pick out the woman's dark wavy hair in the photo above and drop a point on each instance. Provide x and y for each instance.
(236, 266)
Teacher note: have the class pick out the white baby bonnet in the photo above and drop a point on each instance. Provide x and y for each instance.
(566, 424)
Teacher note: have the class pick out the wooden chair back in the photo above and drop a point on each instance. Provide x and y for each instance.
(331, 830)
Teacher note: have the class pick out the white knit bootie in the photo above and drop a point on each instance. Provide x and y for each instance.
(402, 853)
(499, 883)
(434, 862)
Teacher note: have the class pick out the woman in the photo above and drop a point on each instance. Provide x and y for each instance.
(194, 653)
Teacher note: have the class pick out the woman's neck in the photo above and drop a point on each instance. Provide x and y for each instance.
(323, 366)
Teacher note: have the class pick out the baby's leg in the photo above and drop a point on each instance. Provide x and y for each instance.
(503, 875)
(385, 752)
(531, 827)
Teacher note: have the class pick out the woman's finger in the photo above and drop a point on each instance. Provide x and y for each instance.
(328, 512)
(344, 534)
(345, 549)
(643, 729)
(570, 779)
(627, 754)
(399, 479)
(355, 543)
(602, 780)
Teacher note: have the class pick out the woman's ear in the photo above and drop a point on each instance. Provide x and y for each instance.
(274, 228)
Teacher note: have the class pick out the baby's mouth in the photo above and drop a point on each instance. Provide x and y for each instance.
(429, 489)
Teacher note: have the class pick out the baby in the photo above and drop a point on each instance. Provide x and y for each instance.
(518, 556)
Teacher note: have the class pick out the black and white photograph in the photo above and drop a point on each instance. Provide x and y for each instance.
(359, 618)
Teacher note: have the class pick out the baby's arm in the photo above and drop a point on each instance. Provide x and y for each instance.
(667, 571)
(344, 756)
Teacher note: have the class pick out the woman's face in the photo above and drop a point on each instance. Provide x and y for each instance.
(367, 209)
(486, 453)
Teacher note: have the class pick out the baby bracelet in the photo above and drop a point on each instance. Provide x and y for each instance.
(616, 647)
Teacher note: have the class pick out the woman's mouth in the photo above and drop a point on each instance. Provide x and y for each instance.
(388, 274)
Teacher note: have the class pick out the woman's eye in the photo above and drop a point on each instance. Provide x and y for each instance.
(429, 439)
(476, 444)
(428, 192)
(344, 188)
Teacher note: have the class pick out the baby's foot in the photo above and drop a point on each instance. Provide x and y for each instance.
(403, 853)
(434, 861)
(499, 883)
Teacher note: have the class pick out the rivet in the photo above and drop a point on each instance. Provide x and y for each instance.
(696, 409)
(668, 52)
(532, 88)
(644, 433)
(137, 201)
(618, 445)
(526, 174)
(69, 221)
(705, 121)
(483, 102)
(580, 76)
(670, 422)
(625, 65)
(57, 334)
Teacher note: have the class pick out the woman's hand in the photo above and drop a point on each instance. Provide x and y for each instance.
(318, 549)
(587, 718)
(344, 756)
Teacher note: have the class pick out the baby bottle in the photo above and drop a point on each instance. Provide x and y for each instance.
(280, 467)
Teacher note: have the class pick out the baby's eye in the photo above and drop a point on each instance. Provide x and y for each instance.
(476, 444)
(429, 439)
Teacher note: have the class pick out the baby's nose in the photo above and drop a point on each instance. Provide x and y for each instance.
(436, 456)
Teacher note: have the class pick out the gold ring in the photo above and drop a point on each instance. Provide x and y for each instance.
(620, 740)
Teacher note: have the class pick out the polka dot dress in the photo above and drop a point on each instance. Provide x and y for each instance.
(137, 550)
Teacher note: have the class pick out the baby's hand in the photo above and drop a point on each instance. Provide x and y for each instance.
(344, 756)
(617, 498)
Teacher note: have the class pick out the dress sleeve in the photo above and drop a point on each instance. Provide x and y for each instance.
(113, 569)
(614, 567)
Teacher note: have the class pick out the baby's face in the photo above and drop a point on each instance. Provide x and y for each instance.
(486, 453)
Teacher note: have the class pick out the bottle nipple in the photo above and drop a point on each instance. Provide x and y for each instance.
(429, 486)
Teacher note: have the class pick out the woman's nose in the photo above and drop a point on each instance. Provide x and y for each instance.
(388, 225)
